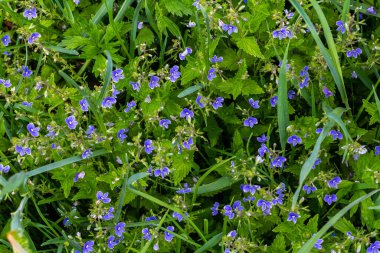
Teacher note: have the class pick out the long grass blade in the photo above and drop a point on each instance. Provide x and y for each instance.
(107, 77)
(282, 106)
(123, 9)
(132, 42)
(102, 11)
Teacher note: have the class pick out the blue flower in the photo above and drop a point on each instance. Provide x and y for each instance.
(336, 135)
(341, 27)
(211, 74)
(228, 211)
(87, 153)
(76, 2)
(78, 176)
(262, 138)
(169, 236)
(250, 122)
(109, 214)
(103, 197)
(197, 4)
(294, 140)
(184, 190)
(22, 151)
(282, 33)
(371, 10)
(214, 209)
(117, 75)
(84, 105)
(254, 104)
(317, 162)
(108, 102)
(71, 122)
(183, 55)
(198, 101)
(115, 91)
(120, 229)
(377, 150)
(249, 198)
(88, 247)
(6, 83)
(154, 82)
(216, 59)
(187, 114)
(304, 83)
(140, 25)
(318, 130)
(33, 37)
(273, 101)
(148, 146)
(90, 131)
(121, 134)
(5, 168)
(161, 172)
(111, 242)
(25, 103)
(318, 244)
(165, 123)
(327, 92)
(333, 183)
(265, 206)
(146, 234)
(278, 162)
(354, 53)
(33, 130)
(374, 247)
(26, 72)
(174, 74)
(330, 198)
(288, 14)
(291, 94)
(178, 216)
(309, 189)
(293, 217)
(304, 72)
(218, 103)
(229, 28)
(130, 105)
(6, 40)
(232, 234)
(249, 188)
(30, 13)
(262, 150)
(187, 144)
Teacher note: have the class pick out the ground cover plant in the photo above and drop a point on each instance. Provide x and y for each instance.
(189, 126)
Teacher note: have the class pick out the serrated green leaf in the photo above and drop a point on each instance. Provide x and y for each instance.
(177, 7)
(181, 165)
(250, 46)
(145, 36)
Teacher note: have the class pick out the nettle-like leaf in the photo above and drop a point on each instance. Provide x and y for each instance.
(178, 7)
(191, 71)
(65, 176)
(250, 46)
(146, 36)
(181, 165)
(371, 108)
(213, 130)
(278, 244)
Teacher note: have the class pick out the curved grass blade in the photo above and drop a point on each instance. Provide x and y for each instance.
(308, 246)
(211, 243)
(217, 185)
(282, 106)
(107, 77)
(102, 11)
(132, 44)
(61, 49)
(123, 9)
(68, 13)
(307, 166)
(335, 72)
(190, 90)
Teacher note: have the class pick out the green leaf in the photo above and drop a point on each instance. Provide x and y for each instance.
(182, 164)
(145, 36)
(251, 87)
(371, 109)
(216, 186)
(211, 243)
(213, 130)
(249, 45)
(14, 182)
(177, 7)
(278, 244)
(190, 90)
(237, 141)
(65, 176)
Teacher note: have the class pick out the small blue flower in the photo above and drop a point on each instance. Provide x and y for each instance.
(330, 198)
(111, 242)
(371, 10)
(76, 2)
(5, 168)
(30, 13)
(88, 247)
(304, 72)
(90, 131)
(229, 28)
(262, 138)
(218, 103)
(120, 229)
(108, 102)
(341, 27)
(169, 236)
(117, 75)
(103, 197)
(109, 214)
(6, 83)
(336, 135)
(148, 146)
(78, 176)
(254, 104)
(178, 216)
(146, 234)
(26, 103)
(187, 114)
(354, 53)
(214, 209)
(304, 83)
(262, 150)
(33, 130)
(26, 72)
(140, 25)
(374, 247)
(22, 151)
(174, 74)
(161, 172)
(121, 134)
(153, 83)
(165, 123)
(6, 39)
(183, 55)
(211, 74)
(291, 94)
(327, 92)
(294, 140)
(115, 91)
(333, 183)
(184, 190)
(288, 14)
(87, 153)
(228, 211)
(71, 122)
(318, 130)
(273, 101)
(250, 122)
(84, 105)
(278, 162)
(249, 188)
(130, 105)
(309, 189)
(282, 33)
(265, 206)
(232, 234)
(377, 150)
(216, 59)
(187, 144)
(293, 217)
(318, 244)
(33, 37)
(198, 101)
(197, 4)
(316, 163)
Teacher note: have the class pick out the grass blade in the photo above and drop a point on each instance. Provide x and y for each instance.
(308, 246)
(211, 243)
(132, 44)
(61, 50)
(68, 13)
(102, 11)
(107, 77)
(217, 185)
(282, 106)
(190, 90)
(123, 9)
